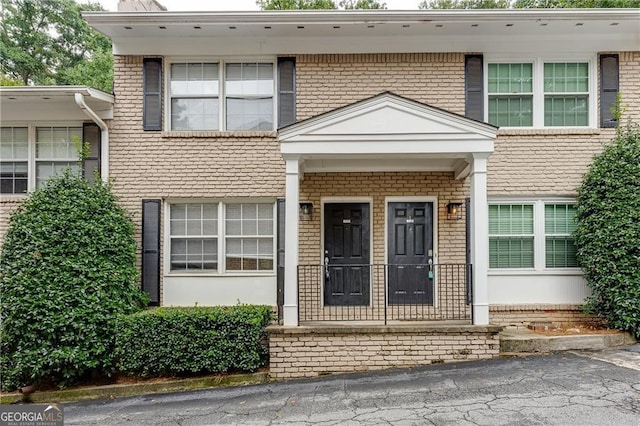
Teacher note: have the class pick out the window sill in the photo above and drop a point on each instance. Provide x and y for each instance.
(221, 275)
(550, 131)
(12, 198)
(219, 134)
(527, 272)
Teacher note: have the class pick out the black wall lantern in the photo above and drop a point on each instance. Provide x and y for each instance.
(306, 210)
(454, 210)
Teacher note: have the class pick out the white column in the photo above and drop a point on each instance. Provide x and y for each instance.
(292, 201)
(480, 239)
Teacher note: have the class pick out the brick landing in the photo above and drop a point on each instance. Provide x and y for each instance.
(315, 350)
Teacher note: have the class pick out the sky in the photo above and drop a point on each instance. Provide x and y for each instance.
(201, 5)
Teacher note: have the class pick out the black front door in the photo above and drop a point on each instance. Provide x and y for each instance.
(346, 257)
(410, 270)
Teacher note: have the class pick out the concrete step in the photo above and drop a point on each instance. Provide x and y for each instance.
(526, 341)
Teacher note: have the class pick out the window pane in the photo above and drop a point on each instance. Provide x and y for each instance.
(13, 178)
(510, 219)
(194, 254)
(194, 219)
(511, 252)
(566, 77)
(251, 247)
(511, 111)
(250, 114)
(58, 143)
(559, 218)
(14, 143)
(560, 252)
(510, 78)
(46, 169)
(566, 111)
(194, 114)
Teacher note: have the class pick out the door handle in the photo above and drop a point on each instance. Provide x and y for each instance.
(326, 264)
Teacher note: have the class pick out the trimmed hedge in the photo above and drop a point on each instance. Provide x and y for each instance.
(195, 340)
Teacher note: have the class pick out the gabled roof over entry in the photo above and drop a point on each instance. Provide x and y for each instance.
(387, 132)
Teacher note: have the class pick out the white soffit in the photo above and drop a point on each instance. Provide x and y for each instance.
(52, 103)
(388, 125)
(288, 32)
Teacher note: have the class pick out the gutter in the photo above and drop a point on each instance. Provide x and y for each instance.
(356, 16)
(104, 140)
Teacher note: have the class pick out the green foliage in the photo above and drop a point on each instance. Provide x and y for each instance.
(47, 42)
(608, 231)
(197, 340)
(67, 270)
(8, 81)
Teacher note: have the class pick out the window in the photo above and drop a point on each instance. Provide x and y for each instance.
(249, 237)
(539, 94)
(511, 236)
(194, 237)
(511, 94)
(14, 151)
(30, 154)
(559, 224)
(249, 95)
(194, 96)
(197, 89)
(55, 151)
(532, 235)
(244, 238)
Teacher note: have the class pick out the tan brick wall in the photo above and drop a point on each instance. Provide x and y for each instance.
(325, 82)
(313, 352)
(7, 206)
(168, 165)
(522, 316)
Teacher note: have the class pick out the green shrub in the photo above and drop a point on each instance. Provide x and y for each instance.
(67, 270)
(608, 231)
(196, 340)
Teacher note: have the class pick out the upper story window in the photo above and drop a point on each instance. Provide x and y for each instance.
(222, 96)
(539, 94)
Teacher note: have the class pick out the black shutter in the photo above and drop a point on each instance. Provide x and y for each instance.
(286, 91)
(473, 86)
(91, 135)
(152, 102)
(609, 87)
(151, 249)
(280, 206)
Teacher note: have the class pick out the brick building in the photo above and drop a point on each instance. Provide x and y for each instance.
(365, 167)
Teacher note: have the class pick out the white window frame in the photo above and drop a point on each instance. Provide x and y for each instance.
(222, 95)
(31, 161)
(539, 237)
(221, 238)
(538, 86)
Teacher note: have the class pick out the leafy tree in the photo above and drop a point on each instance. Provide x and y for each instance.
(319, 4)
(67, 270)
(48, 42)
(608, 231)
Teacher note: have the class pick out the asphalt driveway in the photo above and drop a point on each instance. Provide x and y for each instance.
(560, 389)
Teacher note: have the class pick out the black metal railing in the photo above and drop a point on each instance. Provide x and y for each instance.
(384, 292)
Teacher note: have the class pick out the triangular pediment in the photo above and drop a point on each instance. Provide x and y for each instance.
(387, 117)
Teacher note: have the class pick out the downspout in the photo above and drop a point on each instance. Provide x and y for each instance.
(104, 135)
